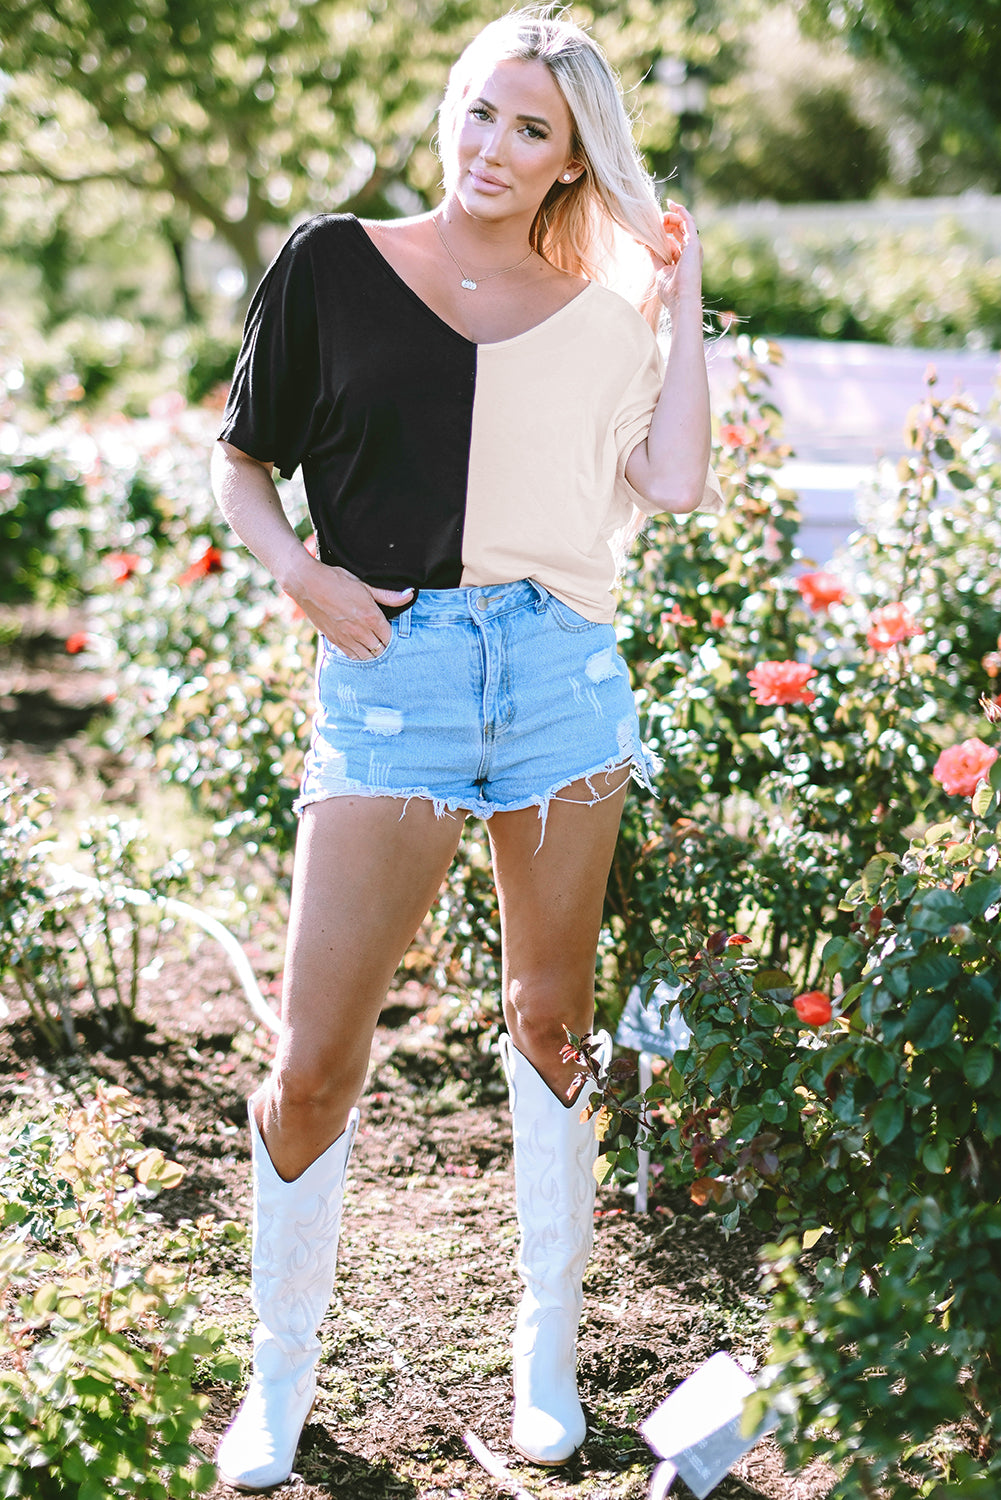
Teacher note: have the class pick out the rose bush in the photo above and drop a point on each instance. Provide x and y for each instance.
(869, 1131)
(799, 717)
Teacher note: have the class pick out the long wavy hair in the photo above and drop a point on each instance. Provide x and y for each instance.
(575, 227)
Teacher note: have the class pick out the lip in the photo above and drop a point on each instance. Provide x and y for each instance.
(485, 182)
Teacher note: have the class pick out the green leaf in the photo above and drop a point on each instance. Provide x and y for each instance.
(935, 911)
(746, 1122)
(872, 875)
(888, 1119)
(45, 1300)
(982, 800)
(935, 1155)
(930, 1021)
(880, 1065)
(978, 1065)
(717, 1061)
(934, 971)
(981, 894)
(772, 984)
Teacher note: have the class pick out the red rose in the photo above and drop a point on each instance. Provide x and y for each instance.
(890, 625)
(961, 767)
(674, 616)
(122, 564)
(209, 562)
(775, 682)
(813, 1007)
(820, 590)
(717, 619)
(736, 435)
(78, 641)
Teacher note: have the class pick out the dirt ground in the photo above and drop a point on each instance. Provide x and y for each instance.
(416, 1345)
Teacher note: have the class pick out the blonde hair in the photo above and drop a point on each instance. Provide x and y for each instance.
(574, 228)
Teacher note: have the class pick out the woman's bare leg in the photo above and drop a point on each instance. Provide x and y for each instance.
(364, 879)
(550, 906)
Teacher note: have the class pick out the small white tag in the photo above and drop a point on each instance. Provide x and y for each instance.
(698, 1427)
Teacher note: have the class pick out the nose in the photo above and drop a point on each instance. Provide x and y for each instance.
(492, 149)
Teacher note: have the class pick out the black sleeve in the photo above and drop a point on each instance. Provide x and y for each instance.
(272, 405)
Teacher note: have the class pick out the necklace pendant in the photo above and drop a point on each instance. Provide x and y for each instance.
(468, 283)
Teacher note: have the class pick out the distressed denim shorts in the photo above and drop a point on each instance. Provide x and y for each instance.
(485, 699)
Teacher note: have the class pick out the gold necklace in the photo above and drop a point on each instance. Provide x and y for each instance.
(467, 281)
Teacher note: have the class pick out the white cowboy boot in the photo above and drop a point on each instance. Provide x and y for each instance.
(296, 1228)
(554, 1184)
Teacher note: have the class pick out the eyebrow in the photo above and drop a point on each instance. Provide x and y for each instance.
(533, 119)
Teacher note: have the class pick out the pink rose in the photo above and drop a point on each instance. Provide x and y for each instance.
(820, 590)
(776, 682)
(736, 435)
(961, 767)
(890, 625)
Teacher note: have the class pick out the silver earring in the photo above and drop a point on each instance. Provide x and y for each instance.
(568, 177)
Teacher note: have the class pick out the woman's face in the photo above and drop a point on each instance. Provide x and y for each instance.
(513, 140)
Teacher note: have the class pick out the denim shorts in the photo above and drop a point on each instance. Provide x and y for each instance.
(484, 700)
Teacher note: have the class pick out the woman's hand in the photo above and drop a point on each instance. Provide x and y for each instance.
(343, 608)
(678, 272)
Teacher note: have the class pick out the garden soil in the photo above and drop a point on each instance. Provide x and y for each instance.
(416, 1345)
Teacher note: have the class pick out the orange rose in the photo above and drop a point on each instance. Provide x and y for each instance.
(890, 625)
(774, 682)
(209, 562)
(813, 1007)
(961, 767)
(122, 565)
(820, 590)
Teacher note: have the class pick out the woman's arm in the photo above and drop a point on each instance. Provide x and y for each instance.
(669, 467)
(341, 607)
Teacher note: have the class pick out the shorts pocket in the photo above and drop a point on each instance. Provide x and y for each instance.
(335, 654)
(568, 619)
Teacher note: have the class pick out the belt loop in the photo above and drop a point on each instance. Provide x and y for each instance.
(542, 597)
(403, 623)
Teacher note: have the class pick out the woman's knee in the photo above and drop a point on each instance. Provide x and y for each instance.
(315, 1081)
(537, 1007)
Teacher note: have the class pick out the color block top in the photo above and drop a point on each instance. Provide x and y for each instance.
(432, 461)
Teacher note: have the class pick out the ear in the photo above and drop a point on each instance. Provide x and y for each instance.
(571, 172)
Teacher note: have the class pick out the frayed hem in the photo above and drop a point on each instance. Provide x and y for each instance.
(443, 806)
(632, 761)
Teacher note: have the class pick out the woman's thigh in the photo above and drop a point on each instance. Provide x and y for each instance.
(366, 872)
(551, 899)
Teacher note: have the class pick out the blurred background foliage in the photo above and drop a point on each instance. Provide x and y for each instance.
(155, 153)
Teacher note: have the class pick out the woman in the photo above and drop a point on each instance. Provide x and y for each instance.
(481, 426)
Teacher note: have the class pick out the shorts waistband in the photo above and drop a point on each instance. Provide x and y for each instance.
(479, 602)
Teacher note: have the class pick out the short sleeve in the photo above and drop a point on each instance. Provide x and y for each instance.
(633, 422)
(638, 404)
(270, 412)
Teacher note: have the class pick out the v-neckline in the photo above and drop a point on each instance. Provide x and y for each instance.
(443, 322)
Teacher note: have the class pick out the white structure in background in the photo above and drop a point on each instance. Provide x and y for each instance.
(844, 406)
(643, 1029)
